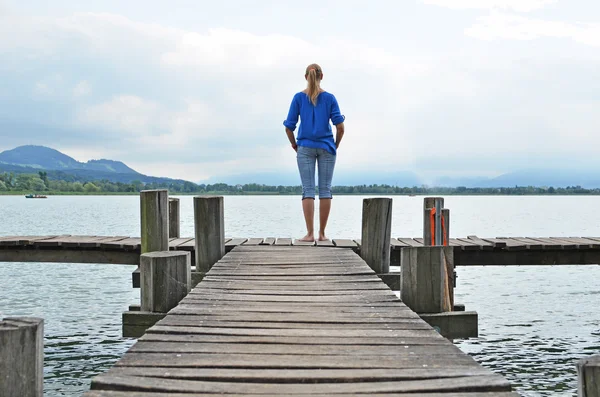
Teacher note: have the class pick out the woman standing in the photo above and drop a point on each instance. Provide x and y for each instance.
(315, 144)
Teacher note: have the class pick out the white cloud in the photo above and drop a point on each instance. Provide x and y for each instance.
(211, 101)
(125, 113)
(505, 26)
(515, 5)
(83, 88)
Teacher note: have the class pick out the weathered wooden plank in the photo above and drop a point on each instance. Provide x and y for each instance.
(300, 243)
(111, 393)
(292, 361)
(485, 245)
(268, 241)
(325, 243)
(469, 245)
(554, 244)
(253, 241)
(234, 242)
(283, 241)
(531, 244)
(131, 243)
(69, 256)
(344, 243)
(271, 348)
(318, 375)
(410, 242)
(579, 244)
(509, 244)
(174, 244)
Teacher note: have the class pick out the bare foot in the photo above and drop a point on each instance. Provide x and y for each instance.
(322, 237)
(308, 238)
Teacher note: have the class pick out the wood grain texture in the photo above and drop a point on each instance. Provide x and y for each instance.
(293, 321)
(209, 226)
(154, 216)
(21, 356)
(376, 233)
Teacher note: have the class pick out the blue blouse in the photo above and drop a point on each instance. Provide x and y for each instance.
(315, 129)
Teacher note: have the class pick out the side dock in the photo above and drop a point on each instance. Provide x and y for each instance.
(275, 321)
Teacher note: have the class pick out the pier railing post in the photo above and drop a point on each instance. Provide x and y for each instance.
(22, 357)
(165, 279)
(209, 225)
(174, 223)
(425, 287)
(436, 221)
(154, 206)
(376, 233)
(588, 370)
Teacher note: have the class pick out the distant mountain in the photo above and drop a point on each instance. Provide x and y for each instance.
(560, 177)
(31, 159)
(46, 158)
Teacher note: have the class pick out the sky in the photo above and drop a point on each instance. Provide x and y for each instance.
(198, 90)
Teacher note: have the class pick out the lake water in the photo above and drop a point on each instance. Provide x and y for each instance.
(534, 322)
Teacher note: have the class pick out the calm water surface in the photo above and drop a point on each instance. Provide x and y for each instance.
(534, 322)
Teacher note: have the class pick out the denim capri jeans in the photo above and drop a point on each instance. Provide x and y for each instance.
(307, 157)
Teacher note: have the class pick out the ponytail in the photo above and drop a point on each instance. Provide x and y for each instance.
(314, 74)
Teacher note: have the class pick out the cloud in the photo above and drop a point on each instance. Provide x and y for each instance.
(514, 5)
(209, 101)
(83, 88)
(515, 27)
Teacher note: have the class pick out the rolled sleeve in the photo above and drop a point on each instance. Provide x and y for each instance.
(292, 118)
(336, 115)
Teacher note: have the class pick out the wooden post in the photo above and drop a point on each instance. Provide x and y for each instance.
(588, 370)
(209, 225)
(425, 286)
(22, 357)
(154, 206)
(165, 279)
(376, 233)
(442, 233)
(174, 228)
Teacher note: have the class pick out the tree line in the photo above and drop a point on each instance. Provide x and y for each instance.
(39, 183)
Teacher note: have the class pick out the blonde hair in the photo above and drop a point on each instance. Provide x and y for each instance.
(313, 75)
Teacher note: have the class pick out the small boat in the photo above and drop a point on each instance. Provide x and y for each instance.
(35, 196)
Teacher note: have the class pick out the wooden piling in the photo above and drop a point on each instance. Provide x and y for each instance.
(425, 278)
(209, 225)
(433, 204)
(22, 357)
(174, 222)
(376, 233)
(588, 370)
(154, 206)
(165, 279)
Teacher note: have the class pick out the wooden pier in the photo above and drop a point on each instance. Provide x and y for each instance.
(284, 320)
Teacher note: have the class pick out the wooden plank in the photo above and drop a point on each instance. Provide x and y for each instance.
(325, 243)
(289, 320)
(283, 241)
(344, 243)
(593, 244)
(555, 244)
(112, 393)
(96, 242)
(234, 242)
(268, 241)
(253, 241)
(300, 243)
(131, 243)
(469, 245)
(471, 383)
(485, 245)
(397, 244)
(410, 242)
(531, 244)
(578, 243)
(69, 256)
(175, 243)
(509, 244)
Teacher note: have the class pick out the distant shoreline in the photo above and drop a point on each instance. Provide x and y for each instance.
(49, 194)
